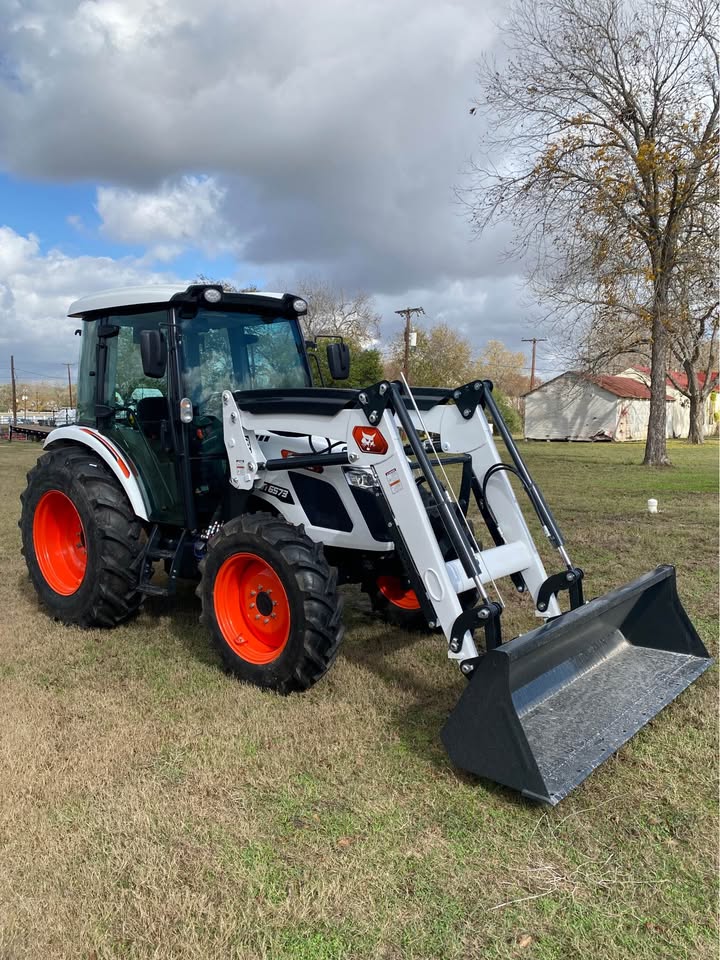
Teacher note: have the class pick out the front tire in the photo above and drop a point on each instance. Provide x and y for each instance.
(394, 601)
(82, 542)
(270, 601)
(391, 595)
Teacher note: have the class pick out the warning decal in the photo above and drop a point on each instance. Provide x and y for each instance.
(394, 480)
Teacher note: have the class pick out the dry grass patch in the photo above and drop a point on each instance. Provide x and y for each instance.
(151, 807)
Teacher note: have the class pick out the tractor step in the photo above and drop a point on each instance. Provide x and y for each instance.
(158, 553)
(152, 590)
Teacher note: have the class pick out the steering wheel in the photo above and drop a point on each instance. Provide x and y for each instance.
(131, 412)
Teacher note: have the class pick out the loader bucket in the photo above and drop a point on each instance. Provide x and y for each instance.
(544, 710)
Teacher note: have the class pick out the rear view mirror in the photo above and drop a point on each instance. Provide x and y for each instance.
(153, 351)
(338, 358)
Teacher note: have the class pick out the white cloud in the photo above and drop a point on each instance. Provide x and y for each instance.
(15, 250)
(337, 130)
(480, 309)
(332, 135)
(180, 215)
(36, 289)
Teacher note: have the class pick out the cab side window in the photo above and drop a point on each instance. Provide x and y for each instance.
(126, 386)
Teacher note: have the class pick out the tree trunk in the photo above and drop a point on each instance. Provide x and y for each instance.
(696, 433)
(656, 444)
(696, 396)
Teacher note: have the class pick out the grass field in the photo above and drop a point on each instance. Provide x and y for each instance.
(151, 807)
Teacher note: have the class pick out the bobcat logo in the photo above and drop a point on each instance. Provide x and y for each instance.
(370, 440)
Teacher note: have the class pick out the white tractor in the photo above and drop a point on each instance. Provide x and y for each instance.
(202, 444)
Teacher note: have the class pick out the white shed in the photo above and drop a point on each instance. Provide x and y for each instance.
(583, 406)
(676, 385)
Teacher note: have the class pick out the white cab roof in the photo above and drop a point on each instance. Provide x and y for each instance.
(129, 296)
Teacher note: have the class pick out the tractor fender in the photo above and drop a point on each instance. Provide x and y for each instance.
(118, 461)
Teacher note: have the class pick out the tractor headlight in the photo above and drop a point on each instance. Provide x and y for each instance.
(361, 477)
(212, 295)
(299, 306)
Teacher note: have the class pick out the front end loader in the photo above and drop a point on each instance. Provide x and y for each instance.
(202, 446)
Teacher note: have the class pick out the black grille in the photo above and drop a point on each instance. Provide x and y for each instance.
(372, 514)
(321, 502)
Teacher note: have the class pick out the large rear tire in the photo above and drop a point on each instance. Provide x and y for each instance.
(270, 601)
(81, 540)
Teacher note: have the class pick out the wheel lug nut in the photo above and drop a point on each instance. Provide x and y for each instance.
(252, 606)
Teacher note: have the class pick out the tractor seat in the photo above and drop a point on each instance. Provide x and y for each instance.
(150, 414)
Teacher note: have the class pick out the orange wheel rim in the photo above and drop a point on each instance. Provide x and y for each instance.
(394, 591)
(59, 542)
(251, 608)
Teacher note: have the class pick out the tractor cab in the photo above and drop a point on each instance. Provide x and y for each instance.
(153, 370)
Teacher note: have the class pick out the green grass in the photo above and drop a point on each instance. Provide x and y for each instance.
(151, 807)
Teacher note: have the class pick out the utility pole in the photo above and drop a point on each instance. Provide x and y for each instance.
(408, 312)
(534, 341)
(14, 390)
(68, 365)
(14, 398)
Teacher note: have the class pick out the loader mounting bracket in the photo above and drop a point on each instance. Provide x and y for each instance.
(471, 395)
(486, 616)
(374, 400)
(570, 580)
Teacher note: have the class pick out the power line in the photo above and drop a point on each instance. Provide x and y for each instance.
(34, 373)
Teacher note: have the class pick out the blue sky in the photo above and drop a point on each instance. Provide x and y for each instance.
(64, 215)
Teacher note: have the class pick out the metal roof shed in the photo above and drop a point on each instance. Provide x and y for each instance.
(583, 406)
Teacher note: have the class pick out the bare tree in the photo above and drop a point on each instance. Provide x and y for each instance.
(694, 343)
(333, 310)
(227, 286)
(614, 335)
(606, 116)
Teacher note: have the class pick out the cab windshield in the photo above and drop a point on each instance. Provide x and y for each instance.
(225, 350)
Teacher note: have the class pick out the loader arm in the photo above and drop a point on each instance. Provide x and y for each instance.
(382, 411)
